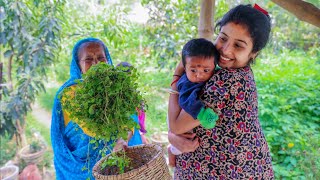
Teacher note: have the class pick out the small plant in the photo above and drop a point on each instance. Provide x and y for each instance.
(119, 160)
(103, 102)
(35, 146)
(37, 143)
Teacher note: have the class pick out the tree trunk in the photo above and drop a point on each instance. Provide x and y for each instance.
(304, 11)
(9, 83)
(21, 139)
(1, 65)
(205, 28)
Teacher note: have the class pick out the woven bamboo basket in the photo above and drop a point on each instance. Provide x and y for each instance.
(32, 158)
(160, 138)
(147, 162)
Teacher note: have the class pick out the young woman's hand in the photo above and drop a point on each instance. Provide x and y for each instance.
(179, 69)
(187, 142)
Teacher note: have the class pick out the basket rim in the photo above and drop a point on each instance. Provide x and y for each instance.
(141, 168)
(23, 151)
(159, 141)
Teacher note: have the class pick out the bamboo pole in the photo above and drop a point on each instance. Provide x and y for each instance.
(205, 27)
(1, 80)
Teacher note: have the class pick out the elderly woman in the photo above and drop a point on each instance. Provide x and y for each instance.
(74, 156)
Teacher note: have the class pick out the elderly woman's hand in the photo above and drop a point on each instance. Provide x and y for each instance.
(184, 142)
(120, 144)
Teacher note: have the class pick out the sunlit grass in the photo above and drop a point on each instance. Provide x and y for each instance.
(34, 126)
(154, 83)
(45, 99)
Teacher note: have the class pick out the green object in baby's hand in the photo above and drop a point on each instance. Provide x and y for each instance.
(207, 118)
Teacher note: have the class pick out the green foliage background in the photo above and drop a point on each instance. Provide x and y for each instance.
(287, 72)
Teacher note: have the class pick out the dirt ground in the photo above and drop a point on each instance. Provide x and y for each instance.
(41, 115)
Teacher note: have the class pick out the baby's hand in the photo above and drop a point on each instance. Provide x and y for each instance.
(207, 118)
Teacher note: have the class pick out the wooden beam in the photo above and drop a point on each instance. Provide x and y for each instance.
(1, 80)
(304, 11)
(205, 27)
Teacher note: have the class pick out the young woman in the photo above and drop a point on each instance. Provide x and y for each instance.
(236, 147)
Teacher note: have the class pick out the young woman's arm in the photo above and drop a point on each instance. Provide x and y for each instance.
(179, 121)
(184, 142)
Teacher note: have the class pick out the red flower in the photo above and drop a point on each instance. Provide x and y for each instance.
(184, 164)
(215, 137)
(221, 105)
(220, 83)
(197, 165)
(222, 157)
(249, 155)
(237, 114)
(241, 125)
(207, 158)
(240, 96)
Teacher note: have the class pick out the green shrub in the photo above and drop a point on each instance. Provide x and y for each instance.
(7, 150)
(289, 110)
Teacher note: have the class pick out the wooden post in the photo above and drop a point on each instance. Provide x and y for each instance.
(1, 65)
(205, 27)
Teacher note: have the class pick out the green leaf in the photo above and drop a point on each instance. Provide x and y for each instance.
(293, 161)
(8, 53)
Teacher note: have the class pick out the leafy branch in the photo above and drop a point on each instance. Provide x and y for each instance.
(29, 39)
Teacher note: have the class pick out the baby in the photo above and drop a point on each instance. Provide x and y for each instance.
(199, 58)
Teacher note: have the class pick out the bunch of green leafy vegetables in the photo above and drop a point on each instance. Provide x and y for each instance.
(103, 101)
